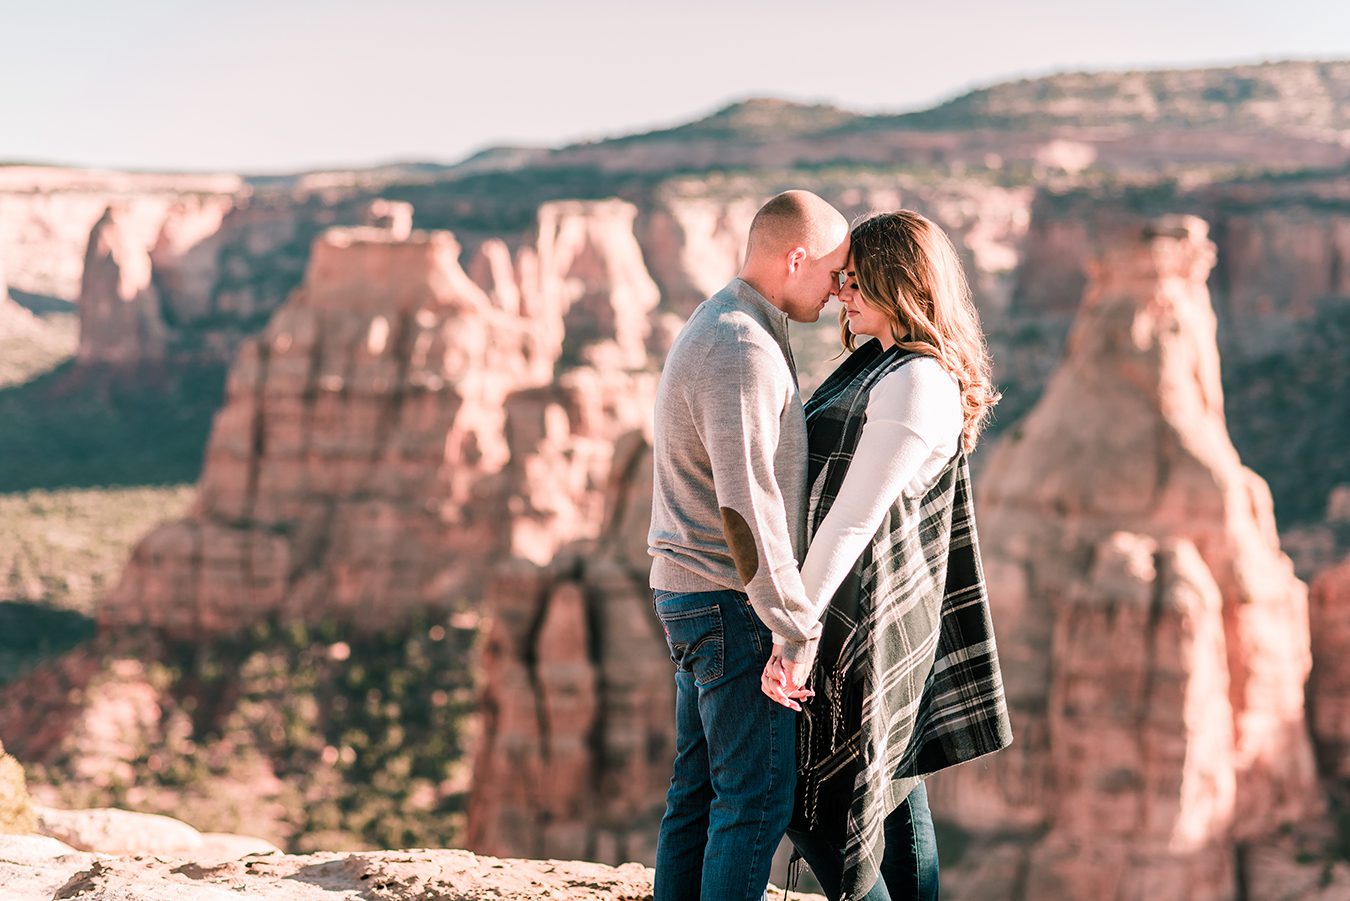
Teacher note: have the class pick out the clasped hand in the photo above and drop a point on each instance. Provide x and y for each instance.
(784, 681)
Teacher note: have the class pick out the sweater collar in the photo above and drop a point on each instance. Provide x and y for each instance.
(774, 320)
(759, 306)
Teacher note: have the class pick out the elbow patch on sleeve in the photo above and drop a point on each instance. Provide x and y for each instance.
(741, 541)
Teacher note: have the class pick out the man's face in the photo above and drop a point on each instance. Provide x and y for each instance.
(815, 281)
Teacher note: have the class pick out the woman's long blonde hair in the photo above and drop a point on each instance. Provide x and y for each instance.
(907, 268)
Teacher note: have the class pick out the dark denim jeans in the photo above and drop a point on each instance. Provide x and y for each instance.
(730, 797)
(909, 865)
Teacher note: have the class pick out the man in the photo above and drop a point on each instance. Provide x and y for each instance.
(728, 523)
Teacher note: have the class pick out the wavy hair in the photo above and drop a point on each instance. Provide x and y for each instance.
(906, 267)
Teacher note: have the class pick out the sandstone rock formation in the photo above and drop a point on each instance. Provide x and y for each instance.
(47, 213)
(185, 255)
(591, 266)
(339, 478)
(564, 442)
(1279, 247)
(201, 273)
(395, 430)
(35, 866)
(577, 734)
(113, 831)
(1329, 684)
(1153, 636)
(16, 813)
(221, 281)
(392, 436)
(121, 321)
(1277, 282)
(694, 245)
(393, 216)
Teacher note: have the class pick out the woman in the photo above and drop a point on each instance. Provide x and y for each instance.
(906, 679)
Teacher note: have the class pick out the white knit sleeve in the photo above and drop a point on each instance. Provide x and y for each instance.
(913, 416)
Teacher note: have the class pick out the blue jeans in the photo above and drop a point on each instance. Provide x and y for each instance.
(909, 865)
(730, 797)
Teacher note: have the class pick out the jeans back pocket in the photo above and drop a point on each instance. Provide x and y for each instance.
(695, 638)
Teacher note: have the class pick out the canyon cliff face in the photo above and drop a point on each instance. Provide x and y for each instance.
(1279, 266)
(163, 265)
(193, 278)
(396, 429)
(406, 434)
(1153, 636)
(1281, 250)
(188, 276)
(339, 477)
(695, 244)
(577, 732)
(1279, 288)
(399, 440)
(47, 214)
(584, 281)
(1329, 685)
(121, 321)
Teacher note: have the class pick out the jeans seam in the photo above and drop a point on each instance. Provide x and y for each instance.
(754, 631)
(768, 797)
(691, 614)
(914, 849)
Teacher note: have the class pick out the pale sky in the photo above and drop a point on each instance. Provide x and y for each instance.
(282, 85)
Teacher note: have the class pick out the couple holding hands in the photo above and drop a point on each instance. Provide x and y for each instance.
(814, 701)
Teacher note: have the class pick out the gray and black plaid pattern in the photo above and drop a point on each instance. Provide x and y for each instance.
(907, 679)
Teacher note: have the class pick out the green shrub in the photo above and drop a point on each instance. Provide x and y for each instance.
(362, 726)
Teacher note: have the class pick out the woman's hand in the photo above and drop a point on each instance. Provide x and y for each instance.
(784, 681)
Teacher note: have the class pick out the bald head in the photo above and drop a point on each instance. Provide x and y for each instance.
(795, 219)
(797, 244)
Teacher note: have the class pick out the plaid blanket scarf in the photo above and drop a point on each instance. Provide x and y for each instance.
(907, 679)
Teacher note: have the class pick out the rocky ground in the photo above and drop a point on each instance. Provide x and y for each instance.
(107, 853)
(33, 866)
(38, 866)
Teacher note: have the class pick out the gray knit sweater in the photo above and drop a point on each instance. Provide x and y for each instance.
(728, 505)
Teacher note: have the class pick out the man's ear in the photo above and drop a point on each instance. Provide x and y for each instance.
(796, 257)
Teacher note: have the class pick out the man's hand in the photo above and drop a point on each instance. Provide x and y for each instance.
(783, 681)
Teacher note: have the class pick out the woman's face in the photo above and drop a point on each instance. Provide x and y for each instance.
(863, 317)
